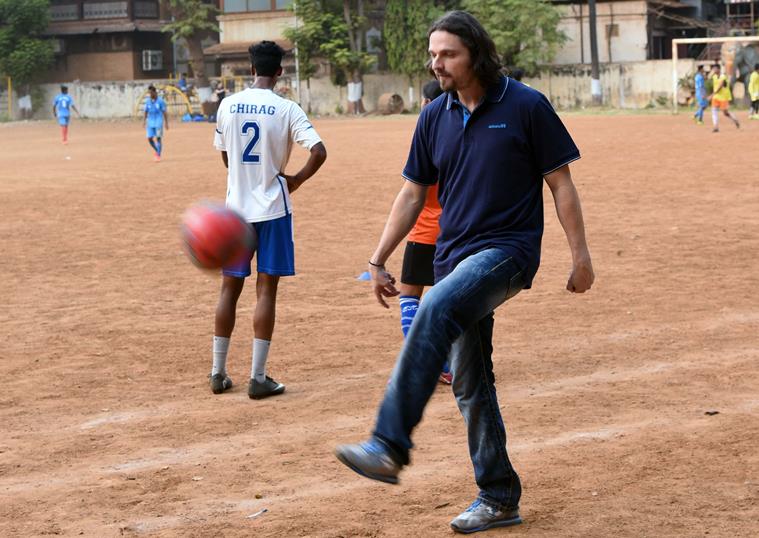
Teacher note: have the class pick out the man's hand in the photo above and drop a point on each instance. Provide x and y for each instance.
(292, 182)
(568, 209)
(383, 284)
(581, 278)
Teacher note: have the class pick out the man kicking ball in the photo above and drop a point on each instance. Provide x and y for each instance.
(489, 144)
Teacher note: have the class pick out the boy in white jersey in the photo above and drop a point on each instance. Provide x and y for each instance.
(255, 131)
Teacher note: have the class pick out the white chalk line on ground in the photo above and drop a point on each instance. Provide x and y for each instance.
(545, 389)
(246, 442)
(158, 457)
(310, 488)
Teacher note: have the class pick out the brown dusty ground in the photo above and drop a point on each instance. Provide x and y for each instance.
(107, 426)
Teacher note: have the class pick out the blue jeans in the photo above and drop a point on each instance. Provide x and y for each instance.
(455, 320)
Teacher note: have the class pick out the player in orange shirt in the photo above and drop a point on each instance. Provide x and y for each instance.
(420, 249)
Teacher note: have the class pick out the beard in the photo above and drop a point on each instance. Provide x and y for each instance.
(445, 81)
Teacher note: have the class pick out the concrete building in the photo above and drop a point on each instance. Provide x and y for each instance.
(635, 30)
(242, 22)
(109, 40)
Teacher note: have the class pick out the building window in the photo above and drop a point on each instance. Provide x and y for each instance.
(64, 12)
(105, 10)
(241, 6)
(145, 9)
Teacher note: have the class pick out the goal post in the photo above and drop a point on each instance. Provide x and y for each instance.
(689, 40)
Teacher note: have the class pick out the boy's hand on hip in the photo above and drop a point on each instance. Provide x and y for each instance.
(292, 182)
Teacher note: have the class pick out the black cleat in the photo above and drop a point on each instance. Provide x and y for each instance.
(268, 388)
(220, 383)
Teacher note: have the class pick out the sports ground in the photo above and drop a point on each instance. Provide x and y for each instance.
(632, 410)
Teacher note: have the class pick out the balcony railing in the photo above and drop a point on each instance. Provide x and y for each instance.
(105, 10)
(74, 10)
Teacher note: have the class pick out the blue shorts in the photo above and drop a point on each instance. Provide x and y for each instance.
(275, 252)
(63, 120)
(155, 132)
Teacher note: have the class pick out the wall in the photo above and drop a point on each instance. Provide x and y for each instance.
(109, 56)
(117, 99)
(98, 100)
(4, 101)
(251, 27)
(95, 66)
(630, 45)
(624, 85)
(326, 98)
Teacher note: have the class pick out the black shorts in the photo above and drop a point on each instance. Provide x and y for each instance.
(418, 262)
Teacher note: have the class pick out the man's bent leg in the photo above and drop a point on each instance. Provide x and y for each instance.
(474, 387)
(472, 291)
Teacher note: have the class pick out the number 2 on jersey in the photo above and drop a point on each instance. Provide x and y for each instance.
(248, 157)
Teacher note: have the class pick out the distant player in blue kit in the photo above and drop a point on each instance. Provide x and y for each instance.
(701, 101)
(62, 106)
(255, 132)
(155, 118)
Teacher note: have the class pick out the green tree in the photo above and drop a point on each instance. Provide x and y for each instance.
(192, 20)
(525, 32)
(335, 31)
(316, 26)
(24, 53)
(308, 35)
(354, 60)
(405, 35)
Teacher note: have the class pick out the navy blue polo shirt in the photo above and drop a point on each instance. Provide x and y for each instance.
(489, 166)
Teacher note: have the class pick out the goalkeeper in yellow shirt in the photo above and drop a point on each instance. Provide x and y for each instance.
(753, 91)
(721, 97)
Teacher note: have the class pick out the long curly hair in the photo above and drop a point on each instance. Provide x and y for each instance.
(485, 62)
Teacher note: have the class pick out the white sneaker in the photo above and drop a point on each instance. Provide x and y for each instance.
(481, 516)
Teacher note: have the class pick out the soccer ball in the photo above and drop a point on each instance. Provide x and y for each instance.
(215, 236)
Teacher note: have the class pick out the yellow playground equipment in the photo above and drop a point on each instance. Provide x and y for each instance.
(177, 103)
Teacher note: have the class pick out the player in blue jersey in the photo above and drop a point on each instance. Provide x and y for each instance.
(155, 118)
(701, 101)
(62, 106)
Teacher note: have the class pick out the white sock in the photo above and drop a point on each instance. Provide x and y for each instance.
(715, 117)
(260, 353)
(220, 348)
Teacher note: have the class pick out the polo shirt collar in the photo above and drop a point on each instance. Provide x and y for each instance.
(494, 93)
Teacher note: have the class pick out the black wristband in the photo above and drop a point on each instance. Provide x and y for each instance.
(378, 265)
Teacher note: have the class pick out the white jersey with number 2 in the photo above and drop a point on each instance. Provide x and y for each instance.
(257, 128)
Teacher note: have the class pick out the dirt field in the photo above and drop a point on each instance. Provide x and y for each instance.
(108, 428)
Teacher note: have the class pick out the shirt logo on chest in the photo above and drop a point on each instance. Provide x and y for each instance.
(497, 126)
